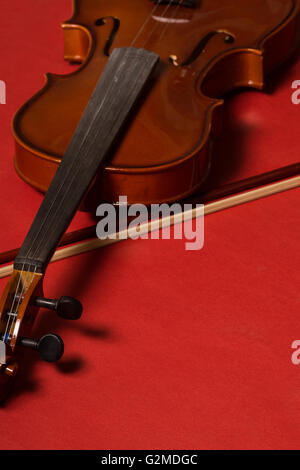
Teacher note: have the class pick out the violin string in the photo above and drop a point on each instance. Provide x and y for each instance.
(87, 131)
(11, 320)
(45, 219)
(156, 25)
(83, 140)
(20, 299)
(171, 18)
(145, 22)
(70, 168)
(73, 179)
(12, 305)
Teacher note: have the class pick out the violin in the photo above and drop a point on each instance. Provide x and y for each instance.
(137, 118)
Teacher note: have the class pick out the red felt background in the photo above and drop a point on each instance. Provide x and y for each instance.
(176, 349)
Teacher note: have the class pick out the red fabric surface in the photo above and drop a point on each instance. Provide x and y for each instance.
(176, 349)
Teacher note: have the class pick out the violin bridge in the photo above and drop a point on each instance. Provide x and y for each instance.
(182, 3)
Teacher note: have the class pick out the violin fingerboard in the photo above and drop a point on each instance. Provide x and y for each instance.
(117, 91)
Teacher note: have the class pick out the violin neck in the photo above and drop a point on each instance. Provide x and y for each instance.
(118, 89)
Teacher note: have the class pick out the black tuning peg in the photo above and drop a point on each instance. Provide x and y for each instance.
(66, 307)
(50, 347)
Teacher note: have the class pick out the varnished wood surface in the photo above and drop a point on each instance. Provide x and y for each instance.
(25, 284)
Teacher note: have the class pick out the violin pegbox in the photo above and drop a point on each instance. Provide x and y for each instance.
(16, 304)
(19, 305)
(16, 311)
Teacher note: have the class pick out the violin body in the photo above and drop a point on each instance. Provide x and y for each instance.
(206, 48)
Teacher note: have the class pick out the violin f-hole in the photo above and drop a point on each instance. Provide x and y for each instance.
(115, 28)
(200, 48)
